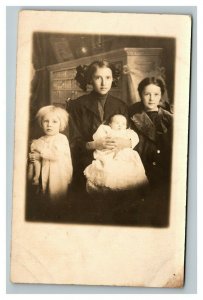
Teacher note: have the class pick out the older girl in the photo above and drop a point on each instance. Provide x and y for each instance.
(88, 112)
(50, 160)
(154, 127)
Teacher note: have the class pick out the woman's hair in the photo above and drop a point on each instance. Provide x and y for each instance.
(92, 68)
(61, 114)
(151, 80)
(85, 73)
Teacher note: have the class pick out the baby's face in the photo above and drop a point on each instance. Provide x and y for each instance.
(118, 122)
(50, 124)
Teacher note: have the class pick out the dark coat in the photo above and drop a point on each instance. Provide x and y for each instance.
(85, 120)
(155, 144)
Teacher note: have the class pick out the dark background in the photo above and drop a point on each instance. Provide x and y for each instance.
(50, 48)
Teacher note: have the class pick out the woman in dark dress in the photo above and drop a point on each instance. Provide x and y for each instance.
(88, 112)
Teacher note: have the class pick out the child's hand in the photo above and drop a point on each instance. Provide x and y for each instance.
(33, 156)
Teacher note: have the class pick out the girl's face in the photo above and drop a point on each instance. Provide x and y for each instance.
(50, 124)
(102, 80)
(118, 122)
(151, 96)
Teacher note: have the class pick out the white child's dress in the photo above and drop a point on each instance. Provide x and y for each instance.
(56, 164)
(115, 169)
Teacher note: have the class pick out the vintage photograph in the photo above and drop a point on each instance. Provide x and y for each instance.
(101, 148)
(105, 155)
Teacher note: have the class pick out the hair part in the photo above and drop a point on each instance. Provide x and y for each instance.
(61, 114)
(85, 73)
(151, 80)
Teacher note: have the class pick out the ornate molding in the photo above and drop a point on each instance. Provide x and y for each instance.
(110, 55)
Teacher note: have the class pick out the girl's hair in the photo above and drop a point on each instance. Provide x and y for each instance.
(112, 116)
(92, 68)
(61, 114)
(85, 73)
(151, 80)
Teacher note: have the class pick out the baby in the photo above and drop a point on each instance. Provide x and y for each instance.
(116, 169)
(50, 166)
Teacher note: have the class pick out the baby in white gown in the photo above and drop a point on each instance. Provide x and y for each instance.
(119, 169)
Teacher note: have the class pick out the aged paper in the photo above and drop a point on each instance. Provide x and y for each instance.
(76, 252)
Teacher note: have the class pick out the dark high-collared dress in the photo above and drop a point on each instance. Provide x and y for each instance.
(155, 141)
(85, 119)
(155, 131)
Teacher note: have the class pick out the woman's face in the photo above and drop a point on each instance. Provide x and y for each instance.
(102, 80)
(151, 96)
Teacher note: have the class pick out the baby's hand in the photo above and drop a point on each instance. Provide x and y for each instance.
(33, 156)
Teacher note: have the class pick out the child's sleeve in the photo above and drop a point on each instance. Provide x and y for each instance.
(57, 150)
(36, 145)
(133, 136)
(33, 145)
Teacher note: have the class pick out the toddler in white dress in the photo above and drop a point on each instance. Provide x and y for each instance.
(117, 169)
(50, 165)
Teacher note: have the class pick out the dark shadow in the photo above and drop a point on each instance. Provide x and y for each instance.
(127, 208)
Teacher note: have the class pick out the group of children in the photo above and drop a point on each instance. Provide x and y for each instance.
(116, 169)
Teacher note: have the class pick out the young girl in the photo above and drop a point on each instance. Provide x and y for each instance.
(154, 127)
(50, 165)
(115, 169)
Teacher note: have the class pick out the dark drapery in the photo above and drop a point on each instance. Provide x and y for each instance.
(39, 98)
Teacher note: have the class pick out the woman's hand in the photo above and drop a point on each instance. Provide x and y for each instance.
(105, 143)
(33, 156)
(121, 143)
(102, 143)
(109, 143)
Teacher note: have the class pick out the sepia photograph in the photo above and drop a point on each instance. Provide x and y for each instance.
(101, 148)
(109, 159)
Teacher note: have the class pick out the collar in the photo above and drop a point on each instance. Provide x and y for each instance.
(145, 125)
(99, 96)
(91, 103)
